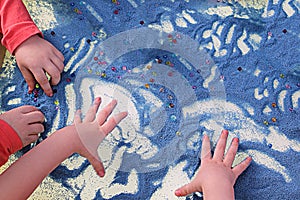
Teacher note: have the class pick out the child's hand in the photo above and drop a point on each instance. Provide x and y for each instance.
(92, 130)
(26, 121)
(216, 176)
(35, 57)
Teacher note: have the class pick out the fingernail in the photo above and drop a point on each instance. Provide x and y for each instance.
(224, 132)
(177, 193)
(236, 139)
(101, 173)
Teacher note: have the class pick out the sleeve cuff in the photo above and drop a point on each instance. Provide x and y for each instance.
(10, 141)
(18, 33)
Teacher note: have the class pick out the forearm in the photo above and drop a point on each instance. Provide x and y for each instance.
(16, 24)
(22, 177)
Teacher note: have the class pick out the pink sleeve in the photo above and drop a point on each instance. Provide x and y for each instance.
(16, 24)
(10, 142)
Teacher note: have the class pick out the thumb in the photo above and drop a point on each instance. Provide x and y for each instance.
(188, 189)
(97, 165)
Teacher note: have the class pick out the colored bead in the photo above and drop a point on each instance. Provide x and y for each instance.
(52, 33)
(147, 85)
(266, 122)
(114, 69)
(194, 87)
(171, 105)
(56, 102)
(116, 12)
(103, 75)
(37, 86)
(95, 58)
(270, 145)
(142, 22)
(239, 69)
(151, 80)
(284, 31)
(281, 75)
(68, 80)
(124, 68)
(274, 119)
(161, 90)
(149, 67)
(170, 97)
(178, 133)
(170, 73)
(173, 117)
(274, 105)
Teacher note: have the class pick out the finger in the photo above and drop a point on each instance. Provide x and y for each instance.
(58, 54)
(36, 129)
(35, 117)
(90, 115)
(58, 61)
(27, 109)
(112, 122)
(206, 150)
(77, 117)
(188, 189)
(53, 72)
(230, 155)
(98, 166)
(42, 79)
(29, 79)
(30, 139)
(106, 111)
(221, 145)
(237, 170)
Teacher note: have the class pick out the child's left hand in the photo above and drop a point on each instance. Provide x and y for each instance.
(36, 56)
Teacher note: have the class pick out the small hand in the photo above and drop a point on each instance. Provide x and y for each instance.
(215, 173)
(26, 121)
(92, 130)
(35, 57)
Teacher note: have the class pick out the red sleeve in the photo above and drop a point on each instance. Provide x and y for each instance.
(10, 142)
(16, 24)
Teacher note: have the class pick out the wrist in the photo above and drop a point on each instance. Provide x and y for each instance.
(218, 191)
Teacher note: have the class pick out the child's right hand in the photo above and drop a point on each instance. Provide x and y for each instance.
(26, 121)
(93, 129)
(36, 56)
